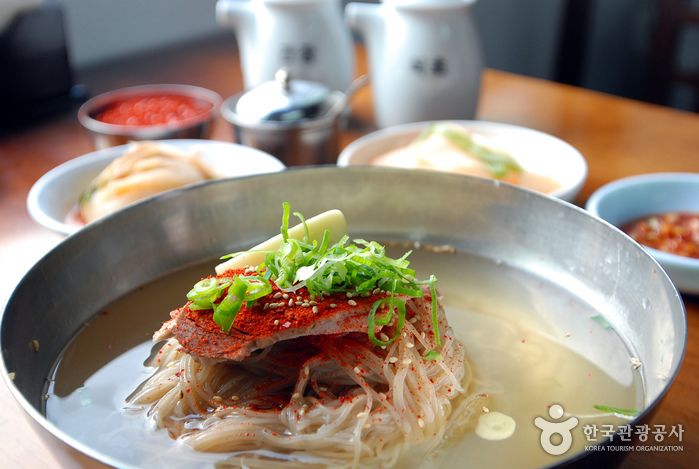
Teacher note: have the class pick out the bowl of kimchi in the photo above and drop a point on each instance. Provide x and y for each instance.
(661, 212)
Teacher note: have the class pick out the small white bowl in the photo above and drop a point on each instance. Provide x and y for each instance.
(55, 195)
(535, 151)
(634, 197)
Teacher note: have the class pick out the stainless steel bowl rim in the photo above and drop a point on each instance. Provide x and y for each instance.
(310, 172)
(150, 131)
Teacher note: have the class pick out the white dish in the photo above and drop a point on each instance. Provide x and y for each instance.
(634, 197)
(535, 151)
(56, 193)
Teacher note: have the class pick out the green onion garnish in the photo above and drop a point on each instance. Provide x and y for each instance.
(616, 410)
(360, 267)
(499, 164)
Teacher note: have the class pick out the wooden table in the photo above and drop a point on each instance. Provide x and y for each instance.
(618, 137)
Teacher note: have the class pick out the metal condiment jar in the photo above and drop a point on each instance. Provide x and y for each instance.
(297, 121)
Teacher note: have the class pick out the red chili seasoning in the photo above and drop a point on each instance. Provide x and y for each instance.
(147, 110)
(676, 233)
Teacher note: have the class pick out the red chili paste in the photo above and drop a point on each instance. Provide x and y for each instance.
(673, 232)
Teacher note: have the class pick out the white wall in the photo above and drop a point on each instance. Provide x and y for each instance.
(99, 30)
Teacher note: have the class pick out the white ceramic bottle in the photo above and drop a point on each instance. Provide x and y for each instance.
(425, 58)
(309, 38)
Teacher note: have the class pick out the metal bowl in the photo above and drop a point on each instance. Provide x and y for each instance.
(539, 237)
(108, 135)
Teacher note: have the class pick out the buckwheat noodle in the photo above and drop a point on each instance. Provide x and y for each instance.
(347, 403)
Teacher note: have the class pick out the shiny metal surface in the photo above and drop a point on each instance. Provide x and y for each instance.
(301, 142)
(540, 236)
(109, 135)
(282, 100)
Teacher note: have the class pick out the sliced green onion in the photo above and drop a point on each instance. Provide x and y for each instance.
(616, 410)
(285, 221)
(392, 304)
(205, 292)
(306, 234)
(435, 307)
(497, 163)
(226, 311)
(359, 267)
(257, 287)
(433, 355)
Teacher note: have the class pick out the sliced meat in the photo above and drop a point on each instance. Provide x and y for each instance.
(269, 321)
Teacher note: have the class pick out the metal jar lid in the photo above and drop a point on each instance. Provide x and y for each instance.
(281, 100)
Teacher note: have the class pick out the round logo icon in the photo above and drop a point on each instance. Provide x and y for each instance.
(562, 427)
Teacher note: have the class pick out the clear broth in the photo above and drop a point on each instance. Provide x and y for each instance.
(522, 354)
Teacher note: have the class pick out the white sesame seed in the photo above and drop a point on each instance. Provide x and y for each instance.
(276, 322)
(285, 296)
(413, 320)
(278, 295)
(349, 294)
(352, 303)
(420, 423)
(384, 337)
(291, 302)
(357, 370)
(383, 347)
(305, 304)
(217, 398)
(407, 361)
(410, 345)
(312, 303)
(333, 305)
(265, 307)
(286, 324)
(376, 291)
(485, 409)
(299, 303)
(392, 360)
(315, 310)
(234, 398)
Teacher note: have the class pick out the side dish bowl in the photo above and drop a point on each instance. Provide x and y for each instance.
(570, 266)
(56, 193)
(108, 135)
(535, 151)
(628, 199)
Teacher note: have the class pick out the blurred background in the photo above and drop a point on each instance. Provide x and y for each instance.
(605, 45)
(641, 49)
